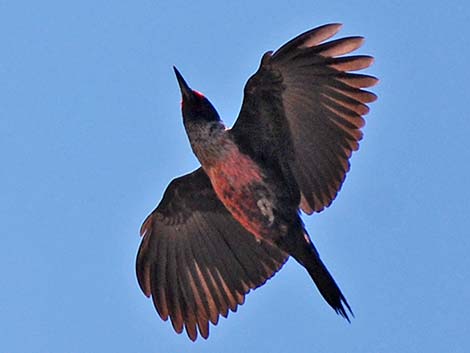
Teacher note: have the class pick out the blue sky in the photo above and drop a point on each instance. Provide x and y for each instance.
(91, 134)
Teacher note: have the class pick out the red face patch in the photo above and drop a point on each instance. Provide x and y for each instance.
(200, 97)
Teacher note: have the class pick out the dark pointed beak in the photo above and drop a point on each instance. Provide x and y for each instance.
(186, 91)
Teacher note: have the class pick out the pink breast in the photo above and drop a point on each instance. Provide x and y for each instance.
(233, 180)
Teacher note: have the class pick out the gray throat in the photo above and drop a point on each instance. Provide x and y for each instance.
(210, 141)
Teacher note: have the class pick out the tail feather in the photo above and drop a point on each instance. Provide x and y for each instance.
(328, 287)
(308, 257)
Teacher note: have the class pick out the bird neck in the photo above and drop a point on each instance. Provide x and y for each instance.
(210, 141)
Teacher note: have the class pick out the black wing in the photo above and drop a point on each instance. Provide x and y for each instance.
(195, 260)
(304, 109)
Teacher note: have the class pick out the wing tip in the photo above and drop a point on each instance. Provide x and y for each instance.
(318, 35)
(309, 38)
(372, 97)
(351, 63)
(374, 80)
(333, 26)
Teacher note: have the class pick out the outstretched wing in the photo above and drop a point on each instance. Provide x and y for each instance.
(303, 108)
(196, 260)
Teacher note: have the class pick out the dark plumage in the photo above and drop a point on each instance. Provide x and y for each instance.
(227, 227)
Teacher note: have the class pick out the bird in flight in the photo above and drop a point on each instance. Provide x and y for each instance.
(230, 225)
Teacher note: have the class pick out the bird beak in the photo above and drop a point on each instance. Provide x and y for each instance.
(186, 91)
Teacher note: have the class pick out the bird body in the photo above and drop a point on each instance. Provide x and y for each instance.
(238, 181)
(230, 225)
(240, 184)
(254, 196)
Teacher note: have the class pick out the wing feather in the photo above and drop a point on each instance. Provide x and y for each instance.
(307, 87)
(173, 292)
(196, 261)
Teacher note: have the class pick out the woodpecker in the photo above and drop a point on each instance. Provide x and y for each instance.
(230, 225)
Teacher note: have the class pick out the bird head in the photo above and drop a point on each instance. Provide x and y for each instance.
(194, 105)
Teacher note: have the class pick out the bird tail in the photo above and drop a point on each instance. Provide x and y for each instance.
(308, 256)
